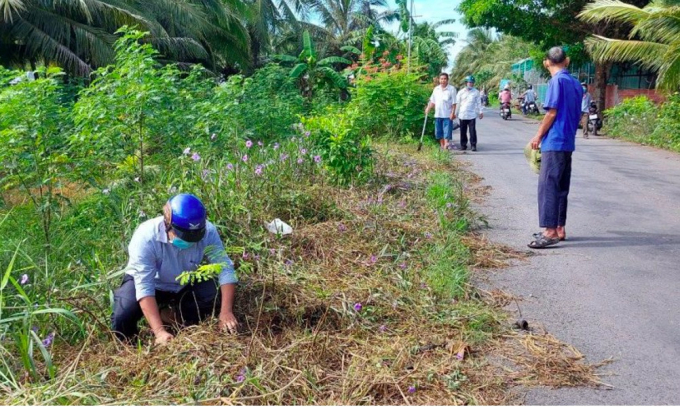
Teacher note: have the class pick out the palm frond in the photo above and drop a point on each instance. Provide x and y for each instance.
(11, 9)
(612, 10)
(648, 54)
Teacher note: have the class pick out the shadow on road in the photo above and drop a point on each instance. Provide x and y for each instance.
(623, 239)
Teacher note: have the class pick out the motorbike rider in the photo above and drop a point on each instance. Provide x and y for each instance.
(505, 96)
(529, 97)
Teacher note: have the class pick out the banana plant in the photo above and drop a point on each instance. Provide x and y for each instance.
(312, 72)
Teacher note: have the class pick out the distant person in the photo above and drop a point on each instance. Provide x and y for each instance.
(585, 109)
(556, 138)
(529, 96)
(160, 250)
(469, 104)
(505, 96)
(443, 100)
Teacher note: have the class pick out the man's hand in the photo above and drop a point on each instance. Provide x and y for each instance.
(535, 142)
(453, 116)
(228, 322)
(481, 116)
(163, 337)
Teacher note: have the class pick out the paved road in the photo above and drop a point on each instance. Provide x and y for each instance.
(613, 289)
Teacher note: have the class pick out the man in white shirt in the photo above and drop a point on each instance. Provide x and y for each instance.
(443, 100)
(469, 108)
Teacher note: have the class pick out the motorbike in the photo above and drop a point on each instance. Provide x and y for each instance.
(531, 107)
(505, 111)
(485, 100)
(594, 122)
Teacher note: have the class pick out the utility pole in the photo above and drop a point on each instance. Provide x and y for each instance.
(410, 38)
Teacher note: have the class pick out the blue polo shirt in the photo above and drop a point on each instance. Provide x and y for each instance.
(564, 94)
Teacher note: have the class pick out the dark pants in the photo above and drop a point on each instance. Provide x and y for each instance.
(553, 188)
(464, 125)
(192, 304)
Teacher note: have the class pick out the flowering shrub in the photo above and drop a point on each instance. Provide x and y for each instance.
(634, 118)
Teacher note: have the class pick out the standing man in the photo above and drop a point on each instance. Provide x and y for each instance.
(443, 100)
(556, 139)
(585, 109)
(160, 250)
(469, 104)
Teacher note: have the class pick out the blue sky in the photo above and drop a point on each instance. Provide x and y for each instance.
(437, 10)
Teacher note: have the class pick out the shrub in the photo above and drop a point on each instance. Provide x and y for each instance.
(634, 119)
(667, 132)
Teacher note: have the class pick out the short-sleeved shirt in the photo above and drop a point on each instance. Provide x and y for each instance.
(530, 96)
(506, 96)
(443, 99)
(564, 94)
(585, 102)
(155, 262)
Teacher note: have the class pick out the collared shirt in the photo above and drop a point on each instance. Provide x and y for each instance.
(530, 96)
(443, 99)
(505, 96)
(155, 262)
(564, 94)
(469, 104)
(585, 102)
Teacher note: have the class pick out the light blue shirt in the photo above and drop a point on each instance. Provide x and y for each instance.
(155, 262)
(585, 103)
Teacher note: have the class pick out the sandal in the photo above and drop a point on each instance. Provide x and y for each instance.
(542, 242)
(539, 234)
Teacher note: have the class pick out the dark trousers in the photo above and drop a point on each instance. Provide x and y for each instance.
(464, 125)
(192, 304)
(553, 188)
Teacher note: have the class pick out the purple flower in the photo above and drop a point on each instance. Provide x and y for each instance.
(34, 329)
(24, 279)
(245, 158)
(276, 146)
(341, 227)
(186, 151)
(402, 204)
(300, 161)
(428, 235)
(289, 262)
(317, 159)
(423, 286)
(249, 143)
(449, 204)
(382, 328)
(206, 172)
(358, 307)
(213, 136)
(272, 251)
(373, 259)
(245, 256)
(195, 157)
(411, 389)
(259, 143)
(460, 355)
(403, 266)
(307, 133)
(258, 170)
(48, 339)
(240, 378)
(230, 167)
(256, 257)
(284, 157)
(303, 151)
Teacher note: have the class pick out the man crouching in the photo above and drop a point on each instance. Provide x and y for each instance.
(160, 250)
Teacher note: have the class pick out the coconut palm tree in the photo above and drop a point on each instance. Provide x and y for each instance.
(79, 35)
(654, 41)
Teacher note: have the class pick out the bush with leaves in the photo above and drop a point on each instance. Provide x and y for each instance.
(667, 132)
(34, 130)
(633, 119)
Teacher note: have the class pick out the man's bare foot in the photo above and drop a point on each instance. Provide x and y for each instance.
(561, 233)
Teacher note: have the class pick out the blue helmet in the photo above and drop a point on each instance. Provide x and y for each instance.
(470, 78)
(188, 217)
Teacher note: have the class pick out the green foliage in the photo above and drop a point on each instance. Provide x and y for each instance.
(639, 119)
(34, 130)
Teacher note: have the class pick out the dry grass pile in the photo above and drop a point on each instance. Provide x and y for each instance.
(343, 312)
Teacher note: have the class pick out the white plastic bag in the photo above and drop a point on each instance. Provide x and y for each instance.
(277, 226)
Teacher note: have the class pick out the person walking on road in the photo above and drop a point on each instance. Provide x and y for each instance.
(556, 138)
(443, 100)
(585, 109)
(469, 105)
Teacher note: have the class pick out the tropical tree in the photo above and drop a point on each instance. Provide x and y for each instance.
(312, 72)
(79, 35)
(654, 41)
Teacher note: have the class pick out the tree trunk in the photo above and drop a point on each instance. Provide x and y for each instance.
(601, 77)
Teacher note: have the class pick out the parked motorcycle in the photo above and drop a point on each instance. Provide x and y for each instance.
(594, 121)
(505, 111)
